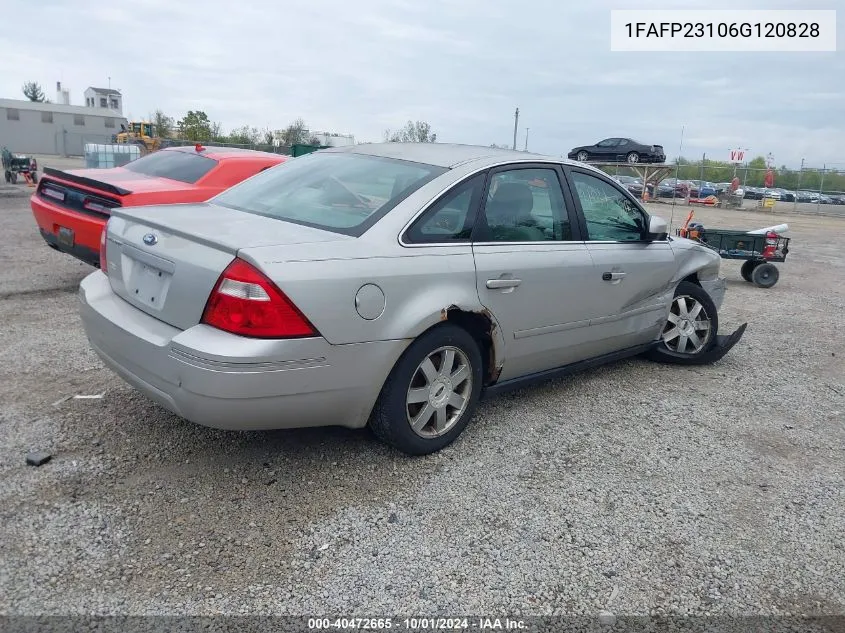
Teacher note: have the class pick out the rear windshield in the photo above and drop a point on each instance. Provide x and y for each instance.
(181, 166)
(340, 192)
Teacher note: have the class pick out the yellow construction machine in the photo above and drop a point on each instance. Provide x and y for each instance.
(141, 133)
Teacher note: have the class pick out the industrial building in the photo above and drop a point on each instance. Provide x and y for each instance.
(30, 127)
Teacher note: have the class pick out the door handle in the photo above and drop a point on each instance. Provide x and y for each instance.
(497, 284)
(612, 276)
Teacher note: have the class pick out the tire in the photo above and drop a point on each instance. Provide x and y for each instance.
(34, 177)
(14, 179)
(633, 157)
(748, 268)
(765, 275)
(7, 175)
(391, 419)
(672, 344)
(582, 157)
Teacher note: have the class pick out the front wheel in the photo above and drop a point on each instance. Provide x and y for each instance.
(431, 393)
(582, 157)
(691, 326)
(633, 157)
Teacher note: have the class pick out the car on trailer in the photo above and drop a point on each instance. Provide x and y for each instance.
(617, 149)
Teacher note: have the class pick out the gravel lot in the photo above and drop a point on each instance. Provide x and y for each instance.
(635, 488)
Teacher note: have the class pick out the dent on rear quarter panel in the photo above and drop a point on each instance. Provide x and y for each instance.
(421, 291)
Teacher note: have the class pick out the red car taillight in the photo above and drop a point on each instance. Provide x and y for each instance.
(104, 266)
(245, 302)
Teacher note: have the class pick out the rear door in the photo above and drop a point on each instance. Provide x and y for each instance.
(631, 283)
(533, 270)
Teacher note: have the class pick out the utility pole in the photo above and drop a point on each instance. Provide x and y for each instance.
(526, 139)
(798, 187)
(515, 126)
(821, 187)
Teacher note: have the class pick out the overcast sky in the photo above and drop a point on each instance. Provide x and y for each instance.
(462, 65)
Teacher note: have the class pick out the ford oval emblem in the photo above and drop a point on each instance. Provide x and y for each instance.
(150, 239)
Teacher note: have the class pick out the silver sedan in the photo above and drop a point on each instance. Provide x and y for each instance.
(391, 286)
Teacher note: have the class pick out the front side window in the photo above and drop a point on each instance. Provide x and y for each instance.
(608, 142)
(525, 205)
(451, 218)
(610, 214)
(175, 165)
(341, 192)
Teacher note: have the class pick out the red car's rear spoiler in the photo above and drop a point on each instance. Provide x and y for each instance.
(86, 182)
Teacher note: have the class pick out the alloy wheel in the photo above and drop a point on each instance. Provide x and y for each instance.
(687, 328)
(439, 392)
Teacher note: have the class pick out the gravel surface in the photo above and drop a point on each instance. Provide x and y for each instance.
(632, 489)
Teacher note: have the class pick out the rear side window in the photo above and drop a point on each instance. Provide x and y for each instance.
(340, 192)
(181, 166)
(451, 218)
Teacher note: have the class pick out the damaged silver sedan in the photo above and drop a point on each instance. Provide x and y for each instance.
(391, 286)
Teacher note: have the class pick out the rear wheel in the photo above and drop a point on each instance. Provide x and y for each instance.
(765, 275)
(691, 326)
(748, 268)
(431, 393)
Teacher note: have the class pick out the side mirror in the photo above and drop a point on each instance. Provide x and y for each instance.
(657, 228)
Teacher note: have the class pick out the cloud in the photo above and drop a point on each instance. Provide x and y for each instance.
(463, 66)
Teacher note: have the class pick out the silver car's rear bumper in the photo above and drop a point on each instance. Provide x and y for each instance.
(225, 381)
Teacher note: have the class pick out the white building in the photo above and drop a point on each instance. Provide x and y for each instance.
(106, 98)
(29, 127)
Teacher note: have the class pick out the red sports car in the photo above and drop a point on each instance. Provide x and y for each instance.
(72, 207)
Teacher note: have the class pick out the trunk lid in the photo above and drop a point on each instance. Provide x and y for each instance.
(165, 260)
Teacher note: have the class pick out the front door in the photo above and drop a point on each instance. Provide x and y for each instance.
(533, 270)
(632, 278)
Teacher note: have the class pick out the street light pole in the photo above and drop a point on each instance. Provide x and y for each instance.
(515, 127)
(526, 139)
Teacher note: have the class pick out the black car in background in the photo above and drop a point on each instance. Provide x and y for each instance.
(613, 150)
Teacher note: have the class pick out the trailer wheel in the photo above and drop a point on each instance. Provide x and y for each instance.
(748, 268)
(14, 179)
(765, 275)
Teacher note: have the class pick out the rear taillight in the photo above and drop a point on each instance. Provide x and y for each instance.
(104, 265)
(245, 302)
(92, 205)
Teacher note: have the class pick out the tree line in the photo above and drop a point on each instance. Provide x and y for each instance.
(753, 174)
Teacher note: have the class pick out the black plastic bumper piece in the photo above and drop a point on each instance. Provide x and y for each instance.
(722, 346)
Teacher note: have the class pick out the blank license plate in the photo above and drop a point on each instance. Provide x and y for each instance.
(149, 285)
(65, 237)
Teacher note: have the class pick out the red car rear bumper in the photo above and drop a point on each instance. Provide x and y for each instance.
(84, 241)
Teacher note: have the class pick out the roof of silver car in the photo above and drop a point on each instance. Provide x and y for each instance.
(440, 154)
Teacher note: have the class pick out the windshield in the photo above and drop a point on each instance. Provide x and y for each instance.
(344, 193)
(174, 165)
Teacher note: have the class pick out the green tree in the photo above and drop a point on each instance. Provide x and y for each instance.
(245, 135)
(195, 126)
(413, 132)
(163, 124)
(296, 133)
(32, 91)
